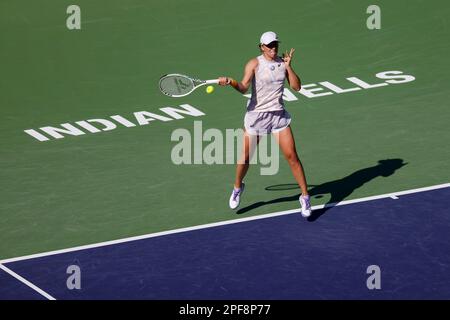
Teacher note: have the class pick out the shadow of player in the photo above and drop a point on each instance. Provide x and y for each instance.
(338, 189)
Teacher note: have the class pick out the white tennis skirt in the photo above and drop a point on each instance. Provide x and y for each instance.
(260, 123)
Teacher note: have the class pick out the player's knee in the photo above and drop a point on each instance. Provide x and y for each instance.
(244, 159)
(292, 158)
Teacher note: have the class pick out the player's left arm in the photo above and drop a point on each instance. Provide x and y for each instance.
(292, 77)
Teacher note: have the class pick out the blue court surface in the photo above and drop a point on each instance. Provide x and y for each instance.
(277, 257)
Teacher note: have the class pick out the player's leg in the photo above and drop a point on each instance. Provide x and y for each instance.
(249, 146)
(286, 142)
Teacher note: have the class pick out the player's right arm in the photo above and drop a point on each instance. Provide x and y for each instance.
(249, 73)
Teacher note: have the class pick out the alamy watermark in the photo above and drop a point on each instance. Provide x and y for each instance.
(74, 280)
(374, 20)
(374, 280)
(73, 21)
(214, 147)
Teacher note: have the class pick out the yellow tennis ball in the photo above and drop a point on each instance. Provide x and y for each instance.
(209, 89)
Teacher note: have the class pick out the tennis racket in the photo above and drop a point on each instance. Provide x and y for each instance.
(178, 85)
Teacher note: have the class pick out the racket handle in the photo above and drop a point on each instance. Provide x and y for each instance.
(215, 81)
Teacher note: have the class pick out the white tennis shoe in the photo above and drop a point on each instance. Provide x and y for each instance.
(235, 197)
(305, 205)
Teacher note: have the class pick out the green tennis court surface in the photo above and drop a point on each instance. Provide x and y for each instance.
(94, 187)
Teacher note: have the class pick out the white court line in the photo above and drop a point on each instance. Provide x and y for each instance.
(26, 282)
(221, 223)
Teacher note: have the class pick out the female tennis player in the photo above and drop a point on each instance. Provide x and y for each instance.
(266, 114)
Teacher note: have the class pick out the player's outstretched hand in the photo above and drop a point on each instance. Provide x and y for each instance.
(224, 81)
(287, 57)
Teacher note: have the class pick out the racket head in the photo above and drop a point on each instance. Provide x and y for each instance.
(176, 85)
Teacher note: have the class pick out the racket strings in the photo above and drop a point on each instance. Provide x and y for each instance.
(176, 85)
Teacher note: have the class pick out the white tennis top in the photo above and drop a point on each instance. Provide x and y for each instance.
(268, 86)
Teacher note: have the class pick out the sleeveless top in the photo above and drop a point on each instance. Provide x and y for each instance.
(267, 86)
